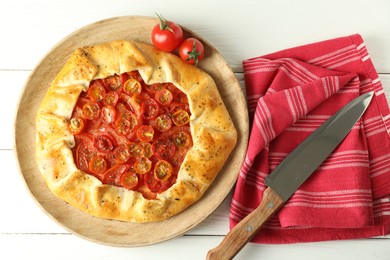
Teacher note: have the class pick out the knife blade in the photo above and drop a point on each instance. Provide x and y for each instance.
(291, 173)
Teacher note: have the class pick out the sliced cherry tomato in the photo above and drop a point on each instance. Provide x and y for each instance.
(78, 110)
(130, 103)
(180, 118)
(97, 165)
(129, 180)
(163, 123)
(111, 98)
(148, 152)
(164, 148)
(132, 87)
(163, 170)
(108, 114)
(113, 83)
(104, 142)
(96, 91)
(122, 153)
(178, 158)
(145, 133)
(166, 35)
(143, 165)
(135, 149)
(155, 185)
(113, 175)
(76, 125)
(84, 153)
(91, 110)
(182, 139)
(164, 97)
(149, 109)
(179, 106)
(191, 50)
(123, 126)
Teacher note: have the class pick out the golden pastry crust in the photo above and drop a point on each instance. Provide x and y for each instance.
(214, 135)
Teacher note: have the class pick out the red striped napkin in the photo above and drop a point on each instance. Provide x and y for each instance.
(290, 94)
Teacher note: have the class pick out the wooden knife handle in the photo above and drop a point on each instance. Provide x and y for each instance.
(236, 239)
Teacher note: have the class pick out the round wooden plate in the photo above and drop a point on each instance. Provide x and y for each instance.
(111, 232)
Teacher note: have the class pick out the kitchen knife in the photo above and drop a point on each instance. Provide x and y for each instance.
(289, 175)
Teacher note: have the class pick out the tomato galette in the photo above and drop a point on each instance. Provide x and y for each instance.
(131, 133)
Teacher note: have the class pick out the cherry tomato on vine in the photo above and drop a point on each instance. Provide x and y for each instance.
(191, 50)
(166, 35)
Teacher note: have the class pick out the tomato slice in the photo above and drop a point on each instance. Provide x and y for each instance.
(130, 103)
(104, 142)
(149, 109)
(162, 123)
(76, 125)
(108, 114)
(129, 180)
(122, 153)
(111, 99)
(96, 91)
(143, 165)
(182, 138)
(180, 118)
(97, 165)
(163, 170)
(122, 126)
(164, 148)
(113, 83)
(132, 87)
(84, 153)
(156, 185)
(147, 148)
(135, 149)
(178, 158)
(164, 97)
(113, 175)
(174, 107)
(145, 133)
(91, 110)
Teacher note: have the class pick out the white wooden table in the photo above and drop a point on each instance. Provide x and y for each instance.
(239, 30)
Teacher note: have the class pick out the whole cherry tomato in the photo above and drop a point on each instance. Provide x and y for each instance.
(166, 35)
(191, 50)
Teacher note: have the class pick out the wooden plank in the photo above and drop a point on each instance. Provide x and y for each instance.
(63, 246)
(241, 30)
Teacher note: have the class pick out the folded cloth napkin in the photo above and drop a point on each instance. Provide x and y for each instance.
(290, 94)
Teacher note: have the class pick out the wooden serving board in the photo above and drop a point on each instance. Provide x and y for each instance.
(111, 232)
